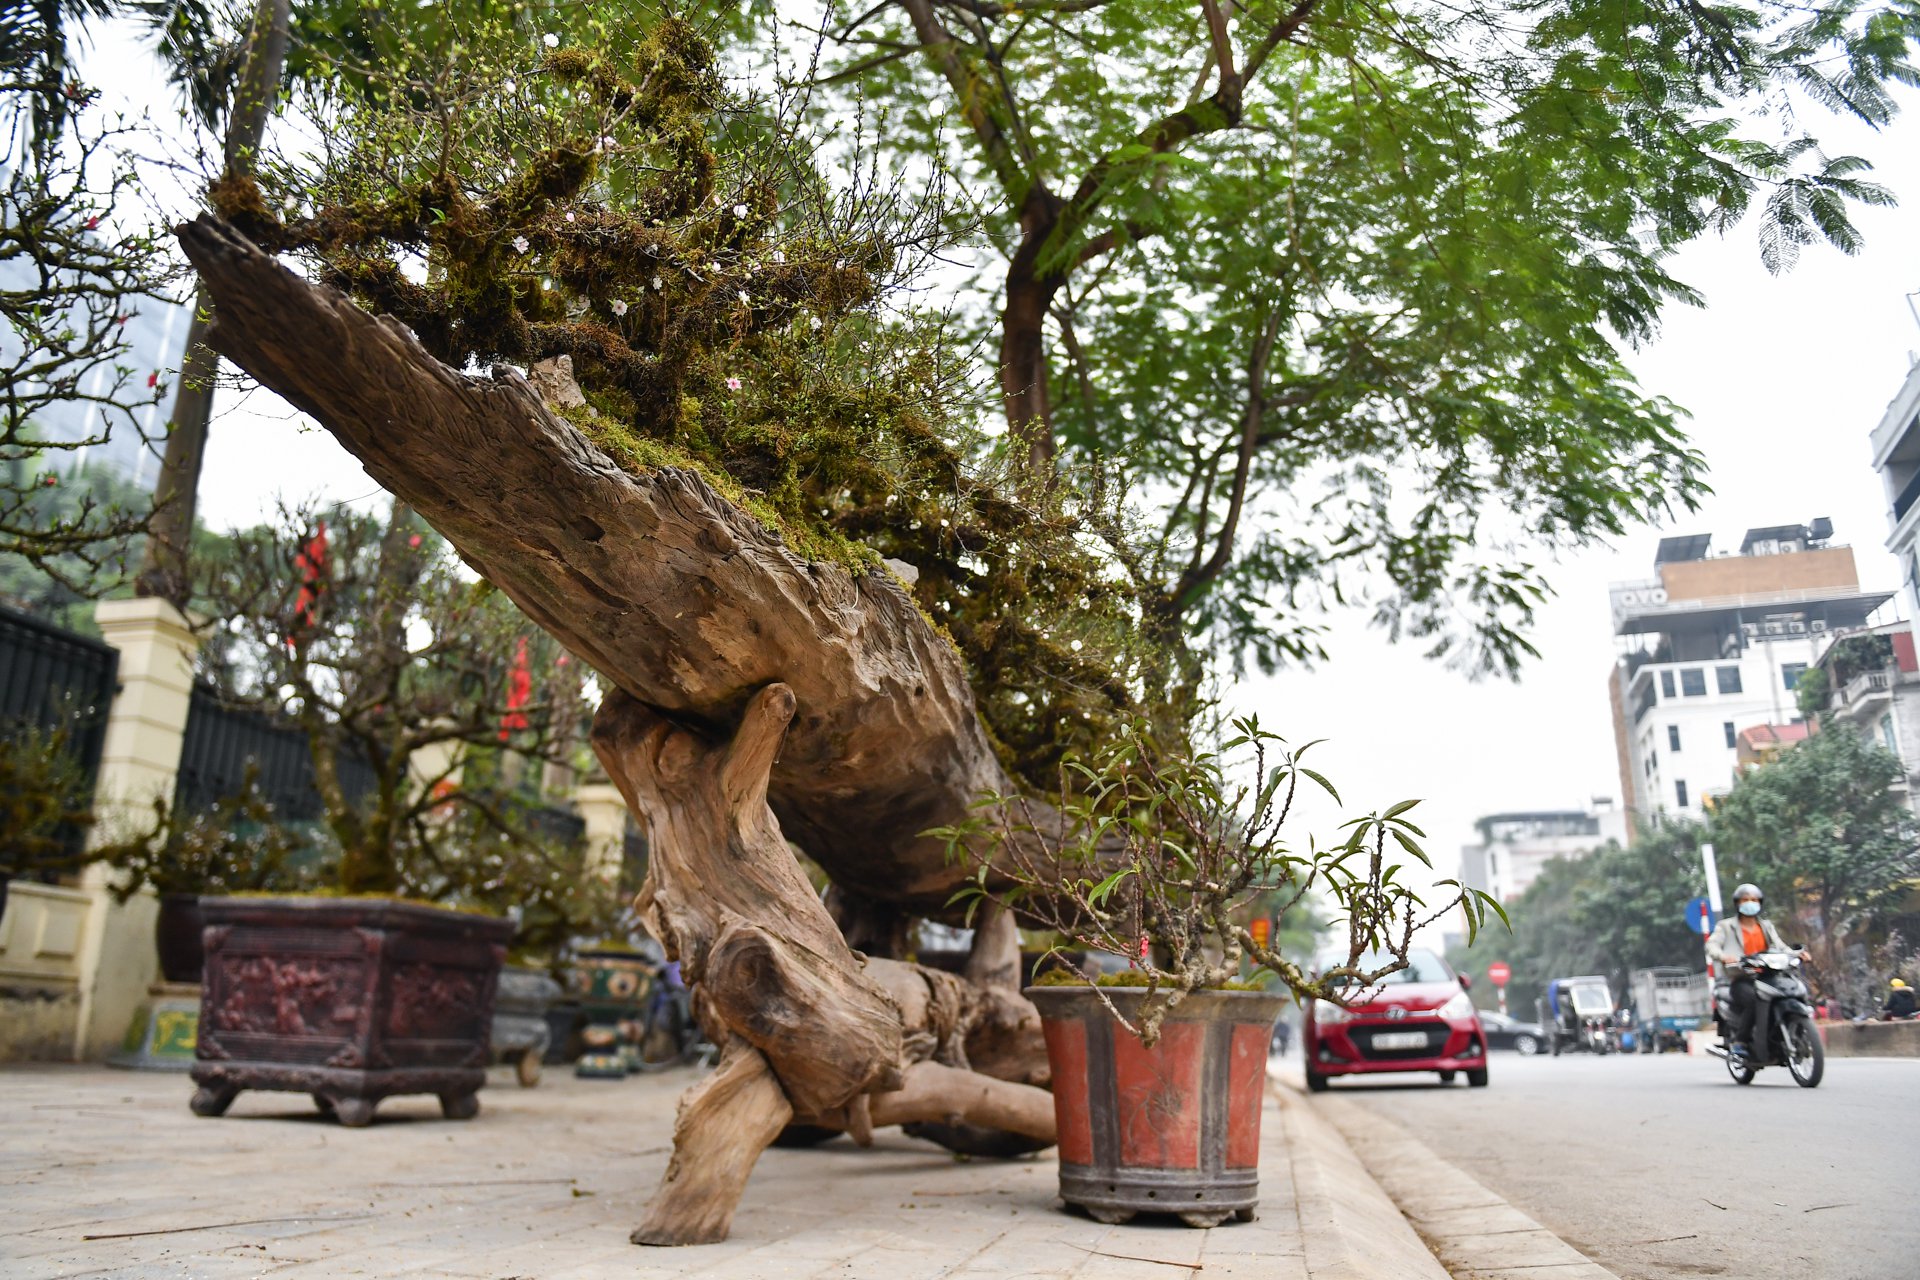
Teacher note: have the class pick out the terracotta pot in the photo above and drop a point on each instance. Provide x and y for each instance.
(1172, 1129)
(349, 999)
(177, 935)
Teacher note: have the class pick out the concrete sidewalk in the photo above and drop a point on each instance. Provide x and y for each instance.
(106, 1173)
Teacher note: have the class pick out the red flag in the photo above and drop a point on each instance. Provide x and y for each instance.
(519, 692)
(311, 564)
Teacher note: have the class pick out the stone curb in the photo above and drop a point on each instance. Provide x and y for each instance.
(1475, 1233)
(1350, 1227)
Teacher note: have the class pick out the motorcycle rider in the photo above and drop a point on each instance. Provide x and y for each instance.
(1900, 1001)
(1734, 939)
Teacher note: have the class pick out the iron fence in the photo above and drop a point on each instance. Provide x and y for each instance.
(222, 741)
(53, 679)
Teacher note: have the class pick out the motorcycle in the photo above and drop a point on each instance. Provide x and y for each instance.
(1782, 1022)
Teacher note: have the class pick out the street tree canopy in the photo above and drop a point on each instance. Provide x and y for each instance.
(1825, 832)
(1338, 289)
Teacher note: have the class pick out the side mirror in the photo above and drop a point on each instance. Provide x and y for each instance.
(1466, 983)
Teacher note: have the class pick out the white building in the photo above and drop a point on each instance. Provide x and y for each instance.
(1896, 456)
(1878, 696)
(1716, 644)
(1513, 847)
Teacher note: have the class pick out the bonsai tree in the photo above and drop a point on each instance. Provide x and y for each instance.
(1156, 851)
(655, 375)
(46, 805)
(420, 693)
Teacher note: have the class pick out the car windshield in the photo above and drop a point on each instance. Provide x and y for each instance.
(1422, 966)
(1590, 998)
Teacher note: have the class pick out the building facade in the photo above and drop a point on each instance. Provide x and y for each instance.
(1880, 698)
(1896, 456)
(1716, 644)
(1513, 847)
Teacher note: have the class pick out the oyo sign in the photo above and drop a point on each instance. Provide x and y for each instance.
(1498, 973)
(1627, 599)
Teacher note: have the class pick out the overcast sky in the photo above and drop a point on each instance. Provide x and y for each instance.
(1784, 378)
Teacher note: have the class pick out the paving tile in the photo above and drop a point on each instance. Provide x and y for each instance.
(545, 1185)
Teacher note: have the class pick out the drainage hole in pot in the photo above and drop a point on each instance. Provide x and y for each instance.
(1199, 1195)
(1152, 1194)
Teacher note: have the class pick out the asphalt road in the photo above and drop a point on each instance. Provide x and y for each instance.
(1660, 1167)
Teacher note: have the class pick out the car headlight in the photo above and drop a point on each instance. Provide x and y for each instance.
(1460, 1006)
(1326, 1013)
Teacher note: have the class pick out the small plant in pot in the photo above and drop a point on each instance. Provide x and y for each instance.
(422, 701)
(1159, 1070)
(241, 846)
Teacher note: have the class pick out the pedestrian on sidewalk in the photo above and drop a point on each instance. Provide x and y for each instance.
(1900, 1001)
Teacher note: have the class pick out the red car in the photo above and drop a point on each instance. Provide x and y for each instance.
(1419, 1019)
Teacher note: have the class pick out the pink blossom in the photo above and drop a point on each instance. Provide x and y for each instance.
(733, 384)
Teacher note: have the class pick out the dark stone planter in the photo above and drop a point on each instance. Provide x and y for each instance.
(350, 1000)
(1172, 1129)
(176, 932)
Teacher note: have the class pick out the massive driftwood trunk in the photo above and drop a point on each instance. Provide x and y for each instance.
(759, 698)
(810, 1027)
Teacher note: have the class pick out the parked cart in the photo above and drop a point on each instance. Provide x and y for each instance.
(1667, 1003)
(1578, 1014)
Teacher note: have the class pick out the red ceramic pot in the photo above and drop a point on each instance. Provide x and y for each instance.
(1172, 1129)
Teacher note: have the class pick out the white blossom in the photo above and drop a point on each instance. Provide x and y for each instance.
(520, 244)
(618, 306)
(550, 40)
(745, 300)
(779, 255)
(656, 283)
(739, 211)
(569, 215)
(606, 142)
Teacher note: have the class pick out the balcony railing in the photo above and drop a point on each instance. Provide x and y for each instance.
(1866, 685)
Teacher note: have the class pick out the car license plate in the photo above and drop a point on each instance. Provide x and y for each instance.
(1400, 1040)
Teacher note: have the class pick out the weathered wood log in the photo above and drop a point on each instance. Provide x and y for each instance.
(722, 1125)
(670, 591)
(830, 1029)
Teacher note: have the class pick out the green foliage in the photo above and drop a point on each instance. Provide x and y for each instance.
(1812, 692)
(46, 802)
(725, 307)
(1156, 853)
(241, 846)
(1857, 655)
(1339, 290)
(1823, 829)
(1609, 912)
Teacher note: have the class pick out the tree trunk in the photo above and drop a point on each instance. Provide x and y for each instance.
(756, 698)
(810, 1027)
(1023, 351)
(163, 565)
(664, 587)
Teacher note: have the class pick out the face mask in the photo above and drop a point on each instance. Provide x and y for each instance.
(1749, 908)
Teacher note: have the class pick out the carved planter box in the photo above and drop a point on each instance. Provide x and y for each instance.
(349, 1000)
(1173, 1129)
